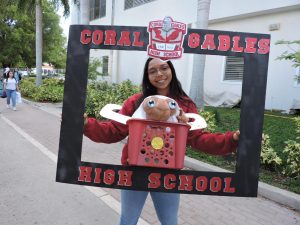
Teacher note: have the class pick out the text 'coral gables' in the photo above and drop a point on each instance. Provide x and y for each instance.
(195, 40)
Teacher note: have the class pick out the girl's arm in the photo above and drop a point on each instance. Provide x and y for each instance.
(109, 131)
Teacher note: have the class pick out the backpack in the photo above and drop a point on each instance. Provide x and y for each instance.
(20, 76)
(5, 75)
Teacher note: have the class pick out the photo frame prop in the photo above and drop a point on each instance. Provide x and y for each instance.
(254, 48)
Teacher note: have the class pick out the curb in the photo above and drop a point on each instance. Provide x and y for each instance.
(275, 194)
(270, 192)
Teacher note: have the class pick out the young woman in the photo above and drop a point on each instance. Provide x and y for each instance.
(159, 79)
(10, 87)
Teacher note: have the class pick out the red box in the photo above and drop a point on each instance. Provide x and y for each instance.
(157, 144)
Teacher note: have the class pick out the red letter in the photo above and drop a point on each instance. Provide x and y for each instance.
(201, 183)
(224, 43)
(194, 40)
(167, 181)
(98, 37)
(109, 177)
(263, 46)
(186, 182)
(125, 178)
(208, 42)
(124, 39)
(250, 43)
(110, 37)
(85, 37)
(227, 187)
(154, 180)
(136, 41)
(236, 47)
(97, 175)
(85, 174)
(215, 184)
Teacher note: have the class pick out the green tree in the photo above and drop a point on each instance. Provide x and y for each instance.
(30, 5)
(293, 54)
(17, 37)
(53, 40)
(93, 72)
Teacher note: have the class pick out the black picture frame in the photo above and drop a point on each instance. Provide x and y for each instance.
(254, 48)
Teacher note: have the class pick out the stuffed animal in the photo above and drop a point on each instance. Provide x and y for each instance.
(160, 108)
(155, 107)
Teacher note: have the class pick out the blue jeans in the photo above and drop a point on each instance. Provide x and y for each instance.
(132, 202)
(11, 94)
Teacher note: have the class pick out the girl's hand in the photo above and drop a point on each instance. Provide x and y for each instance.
(181, 117)
(236, 135)
(85, 119)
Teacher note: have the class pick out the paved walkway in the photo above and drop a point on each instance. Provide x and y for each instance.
(42, 123)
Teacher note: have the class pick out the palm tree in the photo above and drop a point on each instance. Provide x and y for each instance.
(38, 4)
(197, 82)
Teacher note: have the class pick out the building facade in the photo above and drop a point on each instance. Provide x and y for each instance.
(223, 75)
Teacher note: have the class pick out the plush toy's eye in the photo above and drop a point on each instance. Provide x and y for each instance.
(172, 105)
(151, 103)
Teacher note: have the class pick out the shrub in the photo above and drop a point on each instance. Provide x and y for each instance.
(268, 156)
(210, 119)
(292, 149)
(101, 93)
(50, 91)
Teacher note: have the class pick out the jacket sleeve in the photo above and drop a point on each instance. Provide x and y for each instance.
(211, 143)
(109, 131)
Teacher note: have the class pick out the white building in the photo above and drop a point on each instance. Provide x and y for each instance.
(279, 18)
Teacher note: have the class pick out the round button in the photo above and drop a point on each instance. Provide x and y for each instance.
(157, 143)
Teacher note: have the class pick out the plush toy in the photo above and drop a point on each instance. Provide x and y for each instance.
(160, 108)
(155, 107)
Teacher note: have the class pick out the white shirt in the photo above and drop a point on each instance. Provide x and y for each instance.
(11, 83)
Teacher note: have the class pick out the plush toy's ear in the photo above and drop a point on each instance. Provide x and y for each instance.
(139, 113)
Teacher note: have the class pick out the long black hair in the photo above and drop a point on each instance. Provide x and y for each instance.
(176, 91)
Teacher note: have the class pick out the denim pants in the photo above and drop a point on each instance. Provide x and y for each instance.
(11, 94)
(132, 202)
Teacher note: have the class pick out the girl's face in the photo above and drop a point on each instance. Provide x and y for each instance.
(10, 74)
(160, 75)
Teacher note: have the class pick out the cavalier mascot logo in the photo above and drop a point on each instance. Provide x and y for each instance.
(166, 38)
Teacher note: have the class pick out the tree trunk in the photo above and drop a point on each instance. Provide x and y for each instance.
(197, 81)
(84, 12)
(38, 42)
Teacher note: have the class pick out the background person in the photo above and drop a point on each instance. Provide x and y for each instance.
(10, 87)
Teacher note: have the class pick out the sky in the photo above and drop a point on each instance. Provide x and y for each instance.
(64, 22)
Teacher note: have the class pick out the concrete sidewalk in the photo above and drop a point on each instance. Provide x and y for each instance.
(42, 123)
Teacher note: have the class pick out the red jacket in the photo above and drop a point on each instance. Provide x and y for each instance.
(111, 131)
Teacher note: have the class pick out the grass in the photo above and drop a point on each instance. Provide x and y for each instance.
(280, 128)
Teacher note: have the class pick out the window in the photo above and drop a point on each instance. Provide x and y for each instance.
(105, 65)
(234, 68)
(97, 9)
(102, 8)
(134, 3)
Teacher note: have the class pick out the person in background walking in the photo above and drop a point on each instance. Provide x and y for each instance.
(11, 86)
(5, 74)
(17, 75)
